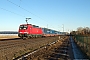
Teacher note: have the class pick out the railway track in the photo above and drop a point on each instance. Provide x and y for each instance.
(53, 51)
(10, 49)
(61, 52)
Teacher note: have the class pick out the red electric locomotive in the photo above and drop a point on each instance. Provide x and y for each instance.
(29, 30)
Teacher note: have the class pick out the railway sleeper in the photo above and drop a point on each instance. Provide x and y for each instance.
(63, 51)
(59, 56)
(63, 48)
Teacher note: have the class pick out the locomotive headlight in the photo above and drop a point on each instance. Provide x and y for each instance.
(26, 32)
(20, 32)
(23, 32)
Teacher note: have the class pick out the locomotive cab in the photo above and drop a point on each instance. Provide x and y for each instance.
(23, 31)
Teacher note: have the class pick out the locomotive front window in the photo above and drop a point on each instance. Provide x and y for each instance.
(23, 27)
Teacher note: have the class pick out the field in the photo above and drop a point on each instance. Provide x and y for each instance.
(8, 36)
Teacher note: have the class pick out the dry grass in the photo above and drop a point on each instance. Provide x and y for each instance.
(84, 43)
(7, 36)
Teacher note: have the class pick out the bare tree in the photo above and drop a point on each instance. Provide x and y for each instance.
(79, 29)
(85, 30)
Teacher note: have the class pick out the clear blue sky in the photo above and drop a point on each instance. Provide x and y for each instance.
(52, 13)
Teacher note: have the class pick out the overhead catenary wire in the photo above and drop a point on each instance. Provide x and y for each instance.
(27, 11)
(23, 9)
(11, 12)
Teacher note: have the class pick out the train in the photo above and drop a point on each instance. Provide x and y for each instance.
(33, 31)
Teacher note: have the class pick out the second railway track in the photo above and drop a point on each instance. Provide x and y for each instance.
(54, 51)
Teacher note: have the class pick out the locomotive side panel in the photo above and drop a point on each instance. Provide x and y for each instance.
(36, 31)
